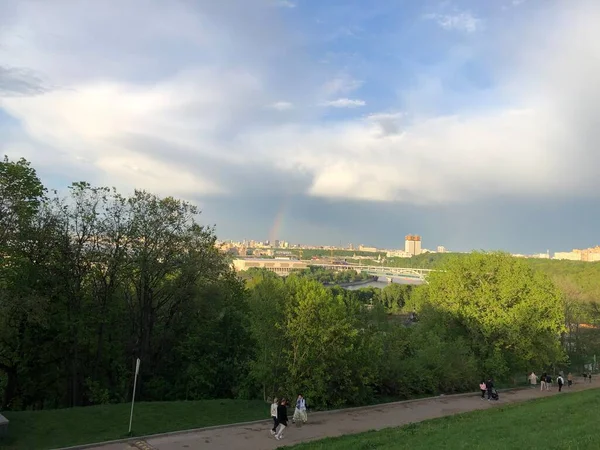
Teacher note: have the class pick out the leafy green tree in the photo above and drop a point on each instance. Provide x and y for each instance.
(511, 316)
(21, 193)
(267, 303)
(327, 347)
(394, 296)
(21, 311)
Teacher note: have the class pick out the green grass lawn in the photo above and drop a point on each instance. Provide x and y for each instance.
(565, 422)
(33, 430)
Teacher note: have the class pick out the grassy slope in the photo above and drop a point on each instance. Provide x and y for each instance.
(64, 427)
(560, 422)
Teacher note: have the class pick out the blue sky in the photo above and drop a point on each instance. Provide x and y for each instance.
(472, 123)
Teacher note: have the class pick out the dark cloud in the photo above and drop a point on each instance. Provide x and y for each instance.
(16, 81)
(516, 225)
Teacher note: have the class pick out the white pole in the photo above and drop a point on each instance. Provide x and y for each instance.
(137, 370)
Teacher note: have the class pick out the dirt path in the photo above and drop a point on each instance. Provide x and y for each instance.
(320, 425)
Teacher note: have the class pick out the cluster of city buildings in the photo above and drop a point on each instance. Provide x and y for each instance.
(412, 247)
(587, 255)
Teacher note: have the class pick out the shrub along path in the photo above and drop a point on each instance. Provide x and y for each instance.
(341, 422)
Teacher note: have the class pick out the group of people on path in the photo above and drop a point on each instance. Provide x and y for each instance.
(487, 387)
(546, 380)
(280, 416)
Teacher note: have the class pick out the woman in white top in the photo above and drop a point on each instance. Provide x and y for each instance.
(274, 406)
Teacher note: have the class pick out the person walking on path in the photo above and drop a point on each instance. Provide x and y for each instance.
(533, 379)
(489, 385)
(282, 418)
(570, 379)
(274, 406)
(548, 382)
(300, 411)
(590, 377)
(543, 382)
(560, 382)
(483, 388)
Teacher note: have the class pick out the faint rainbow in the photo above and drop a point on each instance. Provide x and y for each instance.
(278, 222)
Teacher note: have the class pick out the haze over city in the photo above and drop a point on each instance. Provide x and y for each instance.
(471, 123)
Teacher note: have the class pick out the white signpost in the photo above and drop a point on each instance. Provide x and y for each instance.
(137, 370)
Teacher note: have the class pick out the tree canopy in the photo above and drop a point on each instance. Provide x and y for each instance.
(507, 311)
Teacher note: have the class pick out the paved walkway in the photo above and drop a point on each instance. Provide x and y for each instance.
(320, 425)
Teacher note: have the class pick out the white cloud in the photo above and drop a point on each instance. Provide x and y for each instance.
(341, 84)
(345, 103)
(541, 141)
(281, 106)
(463, 21)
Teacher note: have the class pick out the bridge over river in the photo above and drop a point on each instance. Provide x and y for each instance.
(382, 271)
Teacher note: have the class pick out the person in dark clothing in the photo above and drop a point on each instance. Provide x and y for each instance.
(282, 418)
(560, 382)
(489, 385)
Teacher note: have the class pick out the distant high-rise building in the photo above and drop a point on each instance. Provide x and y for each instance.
(412, 244)
(441, 249)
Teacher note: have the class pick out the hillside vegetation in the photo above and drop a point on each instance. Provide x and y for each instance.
(576, 279)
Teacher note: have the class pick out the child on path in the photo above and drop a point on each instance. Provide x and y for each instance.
(300, 411)
(282, 418)
(274, 406)
(483, 388)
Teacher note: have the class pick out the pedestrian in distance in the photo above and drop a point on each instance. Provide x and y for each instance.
(543, 382)
(282, 419)
(533, 379)
(548, 382)
(560, 382)
(483, 389)
(590, 377)
(300, 411)
(489, 385)
(570, 379)
(274, 406)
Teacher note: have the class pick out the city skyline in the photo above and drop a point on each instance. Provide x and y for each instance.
(472, 123)
(590, 254)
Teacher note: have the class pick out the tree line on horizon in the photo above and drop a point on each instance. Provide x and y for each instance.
(95, 280)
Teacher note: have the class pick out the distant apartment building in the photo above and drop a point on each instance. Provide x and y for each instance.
(262, 252)
(281, 267)
(571, 256)
(590, 254)
(441, 249)
(412, 244)
(397, 254)
(362, 248)
(587, 255)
